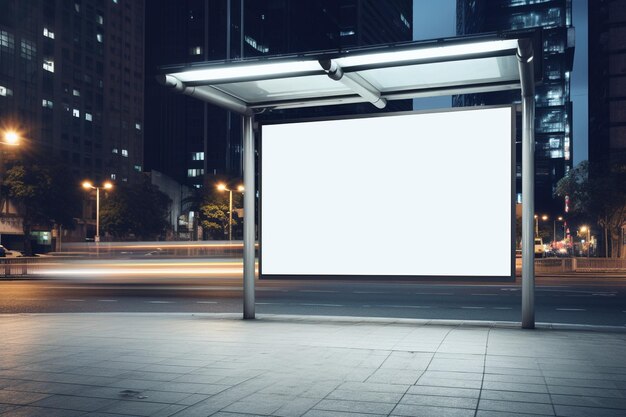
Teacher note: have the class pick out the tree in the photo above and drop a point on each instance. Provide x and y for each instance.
(214, 211)
(135, 210)
(44, 194)
(601, 197)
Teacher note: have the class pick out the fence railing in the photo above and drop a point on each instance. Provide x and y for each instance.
(559, 265)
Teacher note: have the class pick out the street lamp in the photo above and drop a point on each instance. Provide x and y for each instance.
(222, 187)
(587, 229)
(11, 138)
(544, 218)
(89, 186)
(560, 218)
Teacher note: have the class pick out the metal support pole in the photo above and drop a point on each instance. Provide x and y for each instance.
(248, 218)
(528, 208)
(525, 58)
(97, 239)
(230, 215)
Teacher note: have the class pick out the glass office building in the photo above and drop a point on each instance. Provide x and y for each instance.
(553, 116)
(190, 140)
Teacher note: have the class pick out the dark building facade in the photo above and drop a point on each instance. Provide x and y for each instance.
(188, 139)
(607, 83)
(553, 115)
(71, 80)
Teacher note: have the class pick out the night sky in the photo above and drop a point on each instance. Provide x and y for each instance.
(437, 19)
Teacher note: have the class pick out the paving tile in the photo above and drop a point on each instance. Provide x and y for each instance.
(570, 411)
(439, 401)
(444, 391)
(69, 402)
(381, 397)
(137, 408)
(516, 407)
(373, 387)
(355, 406)
(598, 402)
(511, 386)
(296, 407)
(451, 383)
(529, 397)
(425, 411)
(246, 407)
(29, 411)
(486, 413)
(326, 413)
(20, 397)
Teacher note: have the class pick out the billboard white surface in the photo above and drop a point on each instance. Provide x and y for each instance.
(426, 194)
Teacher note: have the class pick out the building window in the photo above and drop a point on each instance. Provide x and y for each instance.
(48, 64)
(115, 1)
(75, 112)
(6, 40)
(88, 117)
(195, 50)
(46, 103)
(114, 150)
(346, 33)
(113, 176)
(138, 126)
(76, 93)
(99, 19)
(138, 168)
(197, 156)
(405, 21)
(5, 91)
(77, 7)
(29, 50)
(125, 153)
(48, 33)
(195, 172)
(100, 37)
(253, 43)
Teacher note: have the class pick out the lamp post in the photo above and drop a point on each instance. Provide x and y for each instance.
(544, 218)
(222, 187)
(10, 137)
(89, 186)
(588, 230)
(560, 218)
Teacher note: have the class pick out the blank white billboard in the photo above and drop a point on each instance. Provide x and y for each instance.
(425, 194)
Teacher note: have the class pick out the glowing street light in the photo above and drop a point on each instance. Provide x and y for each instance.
(11, 138)
(587, 229)
(88, 185)
(544, 218)
(560, 219)
(222, 187)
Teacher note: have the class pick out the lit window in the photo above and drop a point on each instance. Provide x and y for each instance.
(48, 64)
(115, 1)
(195, 172)
(100, 37)
(76, 93)
(88, 117)
(5, 92)
(114, 150)
(77, 7)
(99, 19)
(125, 153)
(138, 168)
(76, 113)
(29, 50)
(253, 43)
(138, 126)
(197, 156)
(113, 176)
(6, 40)
(46, 103)
(48, 33)
(346, 33)
(405, 21)
(196, 50)
(198, 185)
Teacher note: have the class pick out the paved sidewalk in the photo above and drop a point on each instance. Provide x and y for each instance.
(112, 365)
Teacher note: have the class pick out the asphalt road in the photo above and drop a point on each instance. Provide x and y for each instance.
(587, 299)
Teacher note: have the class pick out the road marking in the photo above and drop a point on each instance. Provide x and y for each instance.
(473, 308)
(488, 295)
(400, 306)
(208, 302)
(318, 291)
(269, 303)
(370, 292)
(571, 309)
(108, 301)
(503, 308)
(74, 300)
(433, 293)
(161, 302)
(322, 305)
(32, 299)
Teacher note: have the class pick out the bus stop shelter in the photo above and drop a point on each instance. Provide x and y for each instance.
(376, 75)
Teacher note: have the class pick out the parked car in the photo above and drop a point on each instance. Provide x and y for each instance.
(6, 253)
(3, 251)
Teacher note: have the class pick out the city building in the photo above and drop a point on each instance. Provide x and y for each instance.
(607, 83)
(189, 140)
(72, 79)
(553, 115)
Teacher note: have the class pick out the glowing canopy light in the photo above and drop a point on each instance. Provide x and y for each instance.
(418, 54)
(245, 71)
